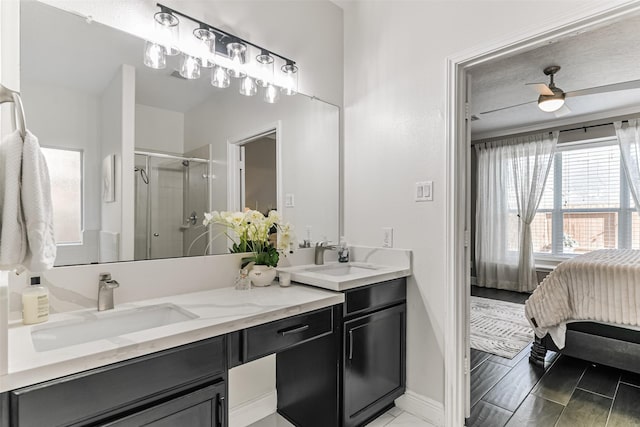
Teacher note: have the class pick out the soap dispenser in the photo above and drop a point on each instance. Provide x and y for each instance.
(343, 251)
(35, 303)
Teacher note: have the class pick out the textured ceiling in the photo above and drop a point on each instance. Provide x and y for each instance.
(602, 56)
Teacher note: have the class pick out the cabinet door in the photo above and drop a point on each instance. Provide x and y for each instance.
(374, 365)
(205, 407)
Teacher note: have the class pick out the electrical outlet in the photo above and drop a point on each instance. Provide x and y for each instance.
(387, 237)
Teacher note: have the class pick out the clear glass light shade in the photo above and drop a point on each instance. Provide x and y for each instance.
(219, 77)
(189, 67)
(237, 55)
(264, 69)
(290, 79)
(205, 46)
(271, 94)
(248, 86)
(154, 56)
(167, 32)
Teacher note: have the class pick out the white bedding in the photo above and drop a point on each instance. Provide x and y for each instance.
(602, 286)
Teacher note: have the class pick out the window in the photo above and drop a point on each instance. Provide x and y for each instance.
(586, 204)
(65, 170)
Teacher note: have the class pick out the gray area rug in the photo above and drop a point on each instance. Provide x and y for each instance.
(499, 327)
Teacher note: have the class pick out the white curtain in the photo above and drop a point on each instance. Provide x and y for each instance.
(629, 140)
(515, 170)
(496, 265)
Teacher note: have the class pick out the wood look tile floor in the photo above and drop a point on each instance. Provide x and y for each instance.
(569, 393)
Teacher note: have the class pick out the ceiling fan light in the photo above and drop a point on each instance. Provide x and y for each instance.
(551, 103)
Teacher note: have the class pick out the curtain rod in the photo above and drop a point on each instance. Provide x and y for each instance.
(585, 127)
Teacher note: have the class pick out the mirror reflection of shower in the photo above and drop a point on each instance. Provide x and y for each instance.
(172, 192)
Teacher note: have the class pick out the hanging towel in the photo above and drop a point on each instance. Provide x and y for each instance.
(37, 207)
(13, 237)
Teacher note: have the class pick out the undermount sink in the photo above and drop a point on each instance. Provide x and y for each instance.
(340, 270)
(106, 325)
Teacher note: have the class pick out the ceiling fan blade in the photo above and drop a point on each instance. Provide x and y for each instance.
(506, 108)
(540, 88)
(631, 84)
(562, 111)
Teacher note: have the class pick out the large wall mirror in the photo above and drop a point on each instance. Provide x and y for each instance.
(137, 155)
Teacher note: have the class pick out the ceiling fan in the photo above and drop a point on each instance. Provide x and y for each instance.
(551, 98)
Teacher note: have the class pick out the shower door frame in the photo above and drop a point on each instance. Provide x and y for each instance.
(148, 155)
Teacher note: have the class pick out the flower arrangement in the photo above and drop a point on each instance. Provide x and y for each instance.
(252, 231)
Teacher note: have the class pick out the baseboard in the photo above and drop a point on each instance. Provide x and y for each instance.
(256, 409)
(429, 410)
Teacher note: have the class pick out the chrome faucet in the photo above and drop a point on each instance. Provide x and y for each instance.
(105, 291)
(320, 248)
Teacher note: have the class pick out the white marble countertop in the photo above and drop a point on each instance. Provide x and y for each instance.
(219, 311)
(340, 276)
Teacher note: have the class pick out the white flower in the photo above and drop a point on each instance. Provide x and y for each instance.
(208, 218)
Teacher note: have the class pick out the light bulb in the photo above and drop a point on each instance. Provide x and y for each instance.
(206, 46)
(271, 94)
(290, 84)
(190, 69)
(154, 56)
(236, 52)
(551, 105)
(220, 77)
(248, 87)
(264, 69)
(166, 28)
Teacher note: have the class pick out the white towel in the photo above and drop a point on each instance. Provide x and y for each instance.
(37, 207)
(13, 237)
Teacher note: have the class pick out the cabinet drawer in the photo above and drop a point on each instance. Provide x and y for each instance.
(205, 407)
(81, 397)
(275, 336)
(372, 297)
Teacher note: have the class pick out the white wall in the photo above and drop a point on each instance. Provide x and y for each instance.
(158, 129)
(395, 84)
(68, 118)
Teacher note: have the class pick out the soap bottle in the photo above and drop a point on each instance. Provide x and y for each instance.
(243, 283)
(35, 303)
(343, 251)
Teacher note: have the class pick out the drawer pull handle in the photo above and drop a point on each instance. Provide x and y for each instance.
(293, 330)
(221, 410)
(350, 344)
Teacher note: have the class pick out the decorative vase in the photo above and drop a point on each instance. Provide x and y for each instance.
(262, 275)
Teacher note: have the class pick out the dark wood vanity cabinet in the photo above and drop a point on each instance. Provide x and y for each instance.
(160, 389)
(350, 377)
(373, 350)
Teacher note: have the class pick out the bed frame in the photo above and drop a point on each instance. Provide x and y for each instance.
(597, 343)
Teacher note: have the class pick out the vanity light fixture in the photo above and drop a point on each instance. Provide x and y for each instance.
(155, 56)
(271, 94)
(248, 86)
(189, 67)
(290, 78)
(264, 69)
(219, 77)
(206, 46)
(167, 32)
(226, 53)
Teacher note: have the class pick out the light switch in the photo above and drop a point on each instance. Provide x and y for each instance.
(424, 191)
(289, 200)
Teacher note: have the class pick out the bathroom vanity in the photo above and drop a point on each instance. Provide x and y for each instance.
(339, 357)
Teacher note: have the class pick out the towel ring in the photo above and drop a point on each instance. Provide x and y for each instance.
(8, 95)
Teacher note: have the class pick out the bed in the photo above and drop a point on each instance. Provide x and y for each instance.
(589, 308)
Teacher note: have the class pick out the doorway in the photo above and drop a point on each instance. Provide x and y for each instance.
(254, 173)
(457, 363)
